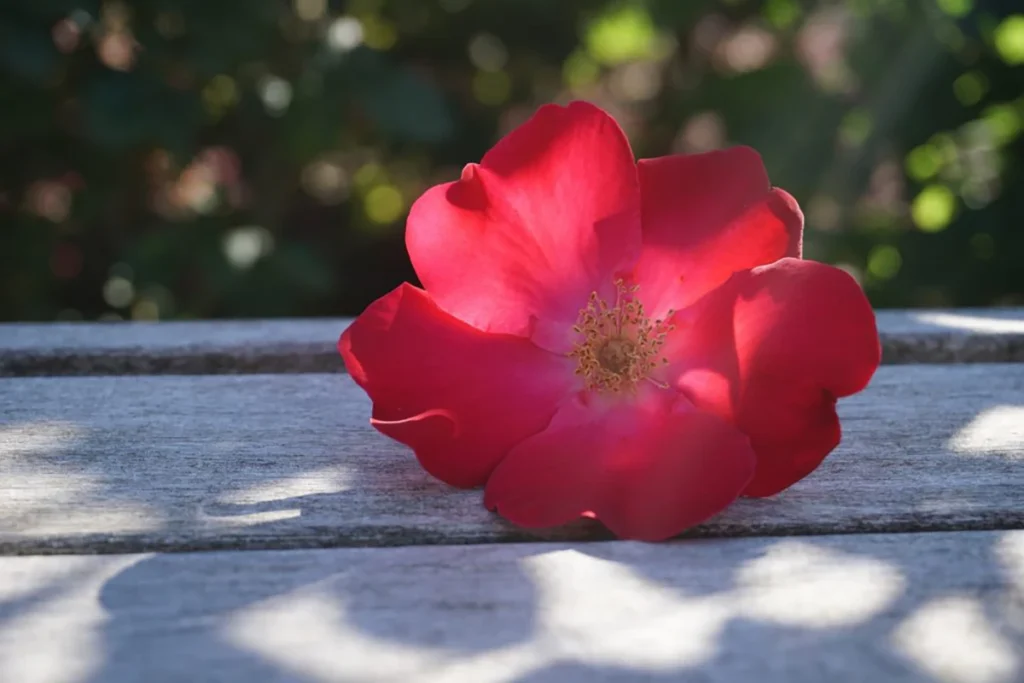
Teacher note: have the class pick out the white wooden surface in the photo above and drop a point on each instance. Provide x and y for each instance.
(908, 336)
(121, 464)
(922, 608)
(159, 450)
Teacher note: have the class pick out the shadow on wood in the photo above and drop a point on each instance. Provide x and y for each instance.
(909, 607)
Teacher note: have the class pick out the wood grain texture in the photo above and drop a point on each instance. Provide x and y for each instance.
(899, 608)
(289, 346)
(125, 464)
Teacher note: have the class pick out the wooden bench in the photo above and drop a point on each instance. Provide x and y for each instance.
(206, 502)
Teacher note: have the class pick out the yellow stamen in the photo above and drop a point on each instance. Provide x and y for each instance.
(619, 345)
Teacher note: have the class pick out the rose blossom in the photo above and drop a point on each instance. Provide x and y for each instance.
(639, 342)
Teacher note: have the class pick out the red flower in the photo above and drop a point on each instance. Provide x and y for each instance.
(637, 342)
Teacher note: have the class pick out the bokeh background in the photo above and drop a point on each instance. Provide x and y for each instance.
(234, 158)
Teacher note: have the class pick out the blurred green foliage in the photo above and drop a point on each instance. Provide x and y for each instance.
(233, 158)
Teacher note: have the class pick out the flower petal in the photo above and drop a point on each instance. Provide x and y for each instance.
(771, 350)
(646, 473)
(459, 397)
(549, 215)
(705, 217)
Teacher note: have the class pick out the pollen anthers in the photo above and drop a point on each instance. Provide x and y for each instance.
(619, 345)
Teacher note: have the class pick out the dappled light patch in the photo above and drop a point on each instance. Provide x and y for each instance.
(995, 430)
(952, 639)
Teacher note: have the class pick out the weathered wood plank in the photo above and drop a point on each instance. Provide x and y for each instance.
(174, 348)
(287, 346)
(910, 608)
(952, 336)
(123, 464)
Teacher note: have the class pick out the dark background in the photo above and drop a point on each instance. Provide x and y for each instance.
(235, 158)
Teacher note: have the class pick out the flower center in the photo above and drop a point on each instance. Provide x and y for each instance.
(618, 345)
(616, 355)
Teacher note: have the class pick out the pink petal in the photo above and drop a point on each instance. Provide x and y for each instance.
(523, 238)
(459, 397)
(648, 472)
(771, 350)
(705, 217)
